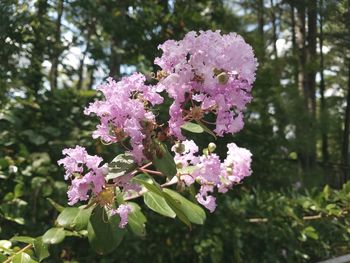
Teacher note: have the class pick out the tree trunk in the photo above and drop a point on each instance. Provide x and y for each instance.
(323, 114)
(57, 49)
(261, 24)
(81, 66)
(311, 49)
(294, 41)
(115, 60)
(274, 28)
(345, 146)
(35, 75)
(92, 75)
(311, 76)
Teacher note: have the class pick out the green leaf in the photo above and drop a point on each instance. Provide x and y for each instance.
(192, 211)
(2, 257)
(137, 220)
(54, 235)
(149, 186)
(121, 165)
(22, 258)
(192, 127)
(310, 232)
(57, 206)
(206, 129)
(23, 239)
(158, 204)
(41, 249)
(104, 233)
(74, 218)
(164, 161)
(19, 190)
(175, 206)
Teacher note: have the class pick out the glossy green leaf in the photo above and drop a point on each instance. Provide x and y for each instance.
(41, 249)
(137, 220)
(74, 218)
(192, 211)
(149, 186)
(121, 165)
(164, 161)
(23, 239)
(22, 258)
(104, 233)
(176, 207)
(206, 129)
(192, 127)
(54, 235)
(158, 204)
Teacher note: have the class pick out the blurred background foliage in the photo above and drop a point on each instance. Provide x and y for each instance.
(294, 208)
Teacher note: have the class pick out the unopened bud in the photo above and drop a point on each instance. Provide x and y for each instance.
(229, 170)
(218, 71)
(222, 78)
(179, 148)
(179, 165)
(206, 152)
(211, 147)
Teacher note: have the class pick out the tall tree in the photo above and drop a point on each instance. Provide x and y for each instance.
(57, 46)
(323, 106)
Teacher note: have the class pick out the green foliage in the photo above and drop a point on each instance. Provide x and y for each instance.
(120, 165)
(103, 232)
(274, 221)
(158, 204)
(163, 160)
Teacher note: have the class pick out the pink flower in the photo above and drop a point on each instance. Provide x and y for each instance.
(239, 159)
(209, 171)
(81, 184)
(218, 70)
(124, 110)
(123, 211)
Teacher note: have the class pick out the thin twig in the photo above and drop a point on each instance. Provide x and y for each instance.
(151, 171)
(311, 217)
(8, 260)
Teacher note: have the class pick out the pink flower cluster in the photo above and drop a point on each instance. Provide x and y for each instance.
(87, 175)
(125, 111)
(85, 172)
(206, 75)
(216, 71)
(210, 172)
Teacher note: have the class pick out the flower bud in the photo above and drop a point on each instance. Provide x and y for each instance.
(222, 78)
(179, 165)
(211, 147)
(179, 148)
(229, 170)
(206, 152)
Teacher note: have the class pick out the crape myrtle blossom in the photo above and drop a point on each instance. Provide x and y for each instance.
(124, 112)
(216, 71)
(208, 78)
(85, 173)
(123, 211)
(209, 171)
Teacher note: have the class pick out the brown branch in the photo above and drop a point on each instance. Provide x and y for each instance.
(311, 217)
